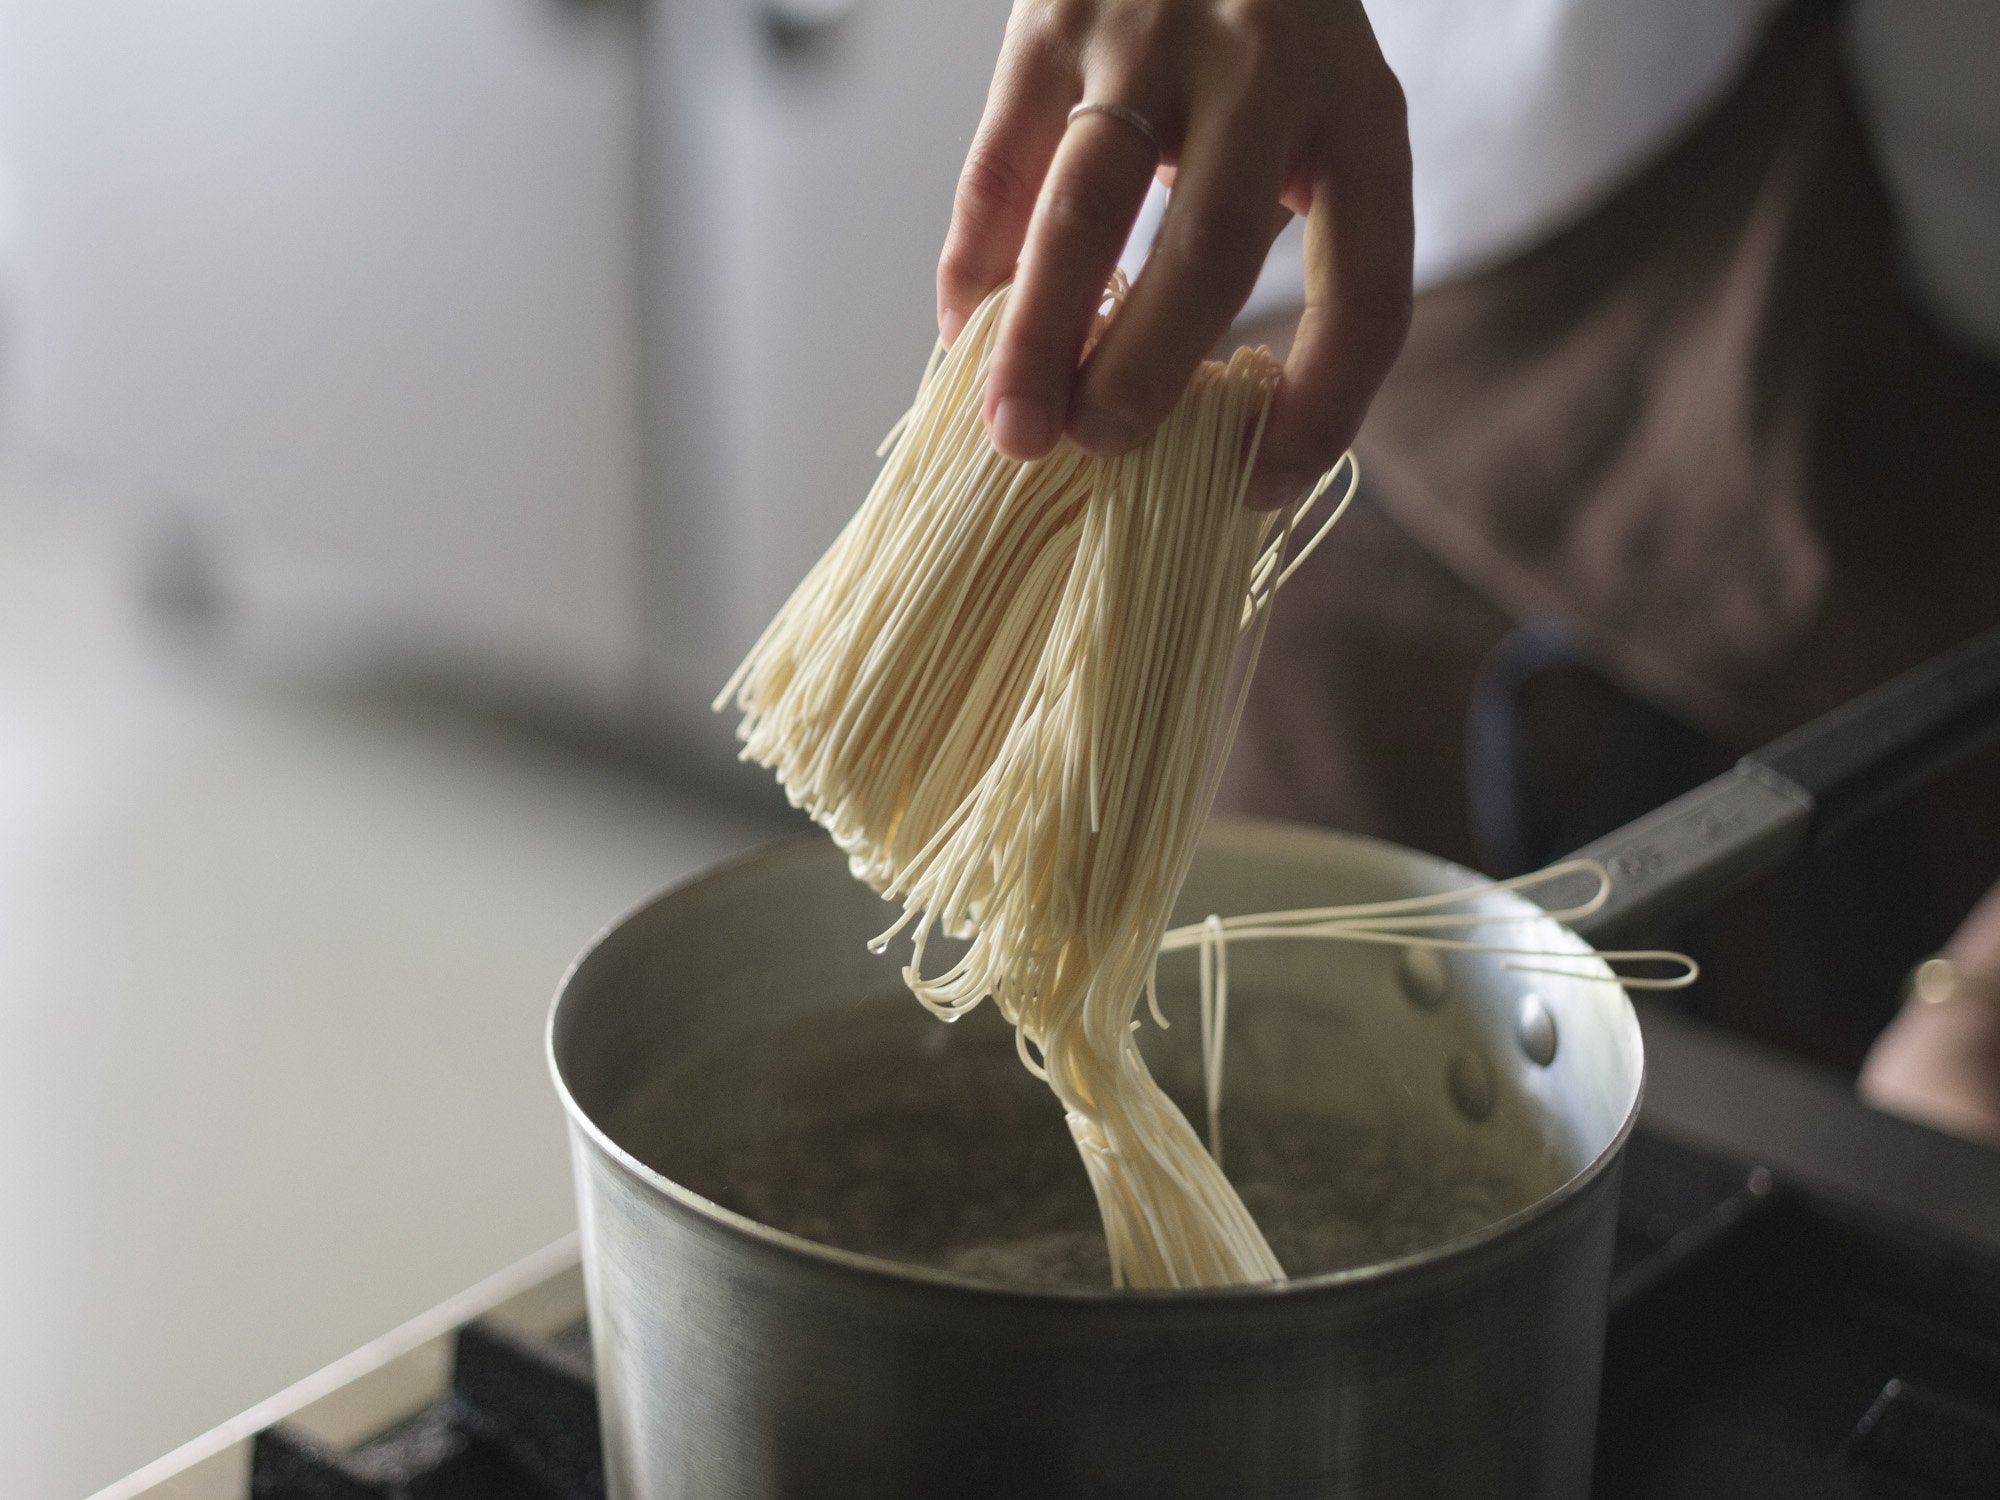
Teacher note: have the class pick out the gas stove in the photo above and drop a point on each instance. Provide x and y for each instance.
(1805, 1303)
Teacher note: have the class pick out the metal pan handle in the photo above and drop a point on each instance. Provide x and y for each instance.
(1794, 793)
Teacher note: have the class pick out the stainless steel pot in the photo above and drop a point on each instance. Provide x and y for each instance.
(735, 1359)
(738, 1360)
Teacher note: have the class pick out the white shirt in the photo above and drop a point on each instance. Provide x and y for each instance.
(1526, 114)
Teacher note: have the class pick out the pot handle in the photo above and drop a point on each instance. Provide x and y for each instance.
(1796, 792)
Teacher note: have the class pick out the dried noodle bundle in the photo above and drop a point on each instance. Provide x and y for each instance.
(1003, 691)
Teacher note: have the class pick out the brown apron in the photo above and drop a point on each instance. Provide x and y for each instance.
(1707, 433)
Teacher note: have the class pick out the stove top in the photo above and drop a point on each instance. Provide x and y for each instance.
(1805, 1303)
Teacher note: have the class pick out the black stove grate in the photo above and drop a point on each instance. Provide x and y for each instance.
(1761, 1346)
(1774, 1347)
(520, 1423)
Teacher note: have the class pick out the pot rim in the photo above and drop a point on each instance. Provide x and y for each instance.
(1400, 1267)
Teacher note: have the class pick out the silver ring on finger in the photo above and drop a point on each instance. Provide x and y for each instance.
(1121, 113)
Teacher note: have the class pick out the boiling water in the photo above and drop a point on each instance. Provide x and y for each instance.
(879, 1129)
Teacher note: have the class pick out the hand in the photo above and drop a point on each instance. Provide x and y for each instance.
(1939, 1061)
(1261, 108)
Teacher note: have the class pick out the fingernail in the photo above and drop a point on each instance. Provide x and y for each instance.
(951, 323)
(1023, 428)
(1269, 491)
(1100, 433)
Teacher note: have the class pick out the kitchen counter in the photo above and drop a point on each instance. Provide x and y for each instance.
(274, 962)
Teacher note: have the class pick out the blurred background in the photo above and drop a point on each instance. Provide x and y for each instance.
(408, 413)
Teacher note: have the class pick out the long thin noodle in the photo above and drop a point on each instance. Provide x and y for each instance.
(1403, 923)
(1005, 692)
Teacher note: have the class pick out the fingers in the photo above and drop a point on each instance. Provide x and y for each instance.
(1218, 228)
(1080, 223)
(1359, 238)
(1258, 105)
(1034, 84)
